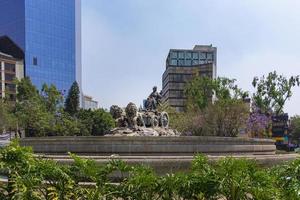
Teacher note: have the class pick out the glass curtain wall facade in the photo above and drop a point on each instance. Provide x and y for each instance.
(189, 58)
(47, 31)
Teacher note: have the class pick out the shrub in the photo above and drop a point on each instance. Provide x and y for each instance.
(225, 118)
(242, 179)
(288, 180)
(31, 177)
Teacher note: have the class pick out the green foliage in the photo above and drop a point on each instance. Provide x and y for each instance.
(226, 89)
(273, 91)
(31, 111)
(103, 122)
(141, 184)
(226, 115)
(295, 128)
(97, 122)
(72, 100)
(7, 120)
(66, 125)
(225, 118)
(32, 115)
(288, 178)
(242, 179)
(201, 183)
(51, 97)
(18, 163)
(201, 90)
(26, 90)
(42, 114)
(189, 122)
(32, 177)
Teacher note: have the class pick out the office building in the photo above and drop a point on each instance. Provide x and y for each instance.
(183, 65)
(89, 103)
(12, 67)
(49, 33)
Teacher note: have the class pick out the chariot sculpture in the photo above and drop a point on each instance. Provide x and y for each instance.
(133, 118)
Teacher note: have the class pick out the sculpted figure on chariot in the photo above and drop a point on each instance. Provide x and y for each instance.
(153, 100)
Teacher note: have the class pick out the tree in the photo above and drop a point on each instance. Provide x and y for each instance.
(225, 116)
(97, 122)
(295, 128)
(41, 113)
(72, 101)
(103, 122)
(66, 125)
(258, 123)
(51, 97)
(7, 119)
(26, 90)
(273, 91)
(201, 90)
(34, 118)
(227, 89)
(31, 112)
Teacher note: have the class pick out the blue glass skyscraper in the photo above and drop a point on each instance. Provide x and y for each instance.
(49, 32)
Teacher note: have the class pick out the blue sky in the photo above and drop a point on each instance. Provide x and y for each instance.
(125, 42)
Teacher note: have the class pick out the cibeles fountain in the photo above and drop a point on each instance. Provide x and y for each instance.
(147, 121)
(143, 136)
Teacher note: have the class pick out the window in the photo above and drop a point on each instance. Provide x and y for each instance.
(188, 55)
(181, 55)
(173, 62)
(174, 54)
(9, 77)
(177, 94)
(10, 67)
(195, 62)
(195, 55)
(202, 62)
(188, 62)
(35, 61)
(178, 77)
(210, 56)
(202, 56)
(181, 62)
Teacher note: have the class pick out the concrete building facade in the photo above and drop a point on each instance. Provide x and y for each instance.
(11, 66)
(182, 66)
(11, 69)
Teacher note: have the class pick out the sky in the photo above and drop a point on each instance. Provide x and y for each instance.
(125, 42)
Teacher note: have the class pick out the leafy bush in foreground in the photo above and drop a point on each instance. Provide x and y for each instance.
(34, 178)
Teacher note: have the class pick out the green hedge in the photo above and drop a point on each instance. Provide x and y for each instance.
(33, 178)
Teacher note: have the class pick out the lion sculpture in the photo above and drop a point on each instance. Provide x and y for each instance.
(131, 118)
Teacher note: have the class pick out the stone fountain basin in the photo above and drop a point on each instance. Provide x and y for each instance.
(148, 146)
(163, 154)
